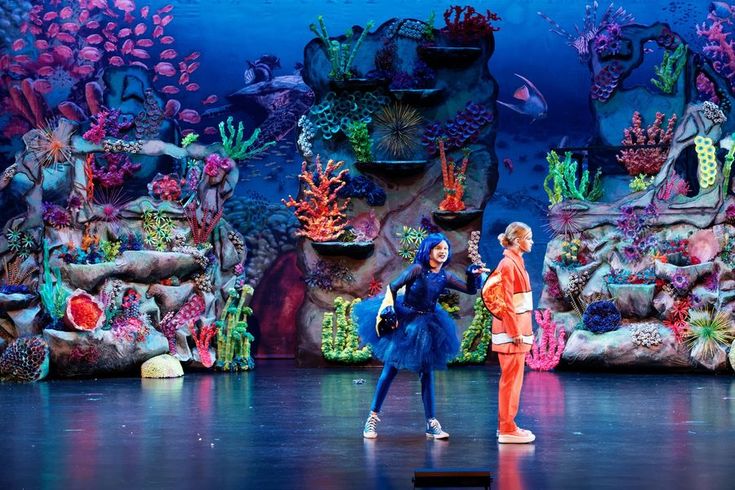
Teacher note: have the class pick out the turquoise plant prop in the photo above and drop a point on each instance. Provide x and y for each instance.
(670, 69)
(233, 338)
(53, 294)
(410, 238)
(233, 143)
(476, 338)
(340, 55)
(707, 168)
(340, 342)
(641, 182)
(726, 168)
(563, 177)
(357, 132)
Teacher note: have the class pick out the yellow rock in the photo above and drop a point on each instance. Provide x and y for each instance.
(163, 366)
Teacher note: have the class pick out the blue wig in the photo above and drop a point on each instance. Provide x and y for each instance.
(431, 241)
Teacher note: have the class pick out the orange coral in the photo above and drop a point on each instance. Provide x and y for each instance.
(321, 216)
(454, 181)
(646, 160)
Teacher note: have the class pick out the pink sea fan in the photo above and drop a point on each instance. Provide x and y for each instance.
(703, 245)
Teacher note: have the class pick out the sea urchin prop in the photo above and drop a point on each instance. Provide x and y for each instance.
(563, 221)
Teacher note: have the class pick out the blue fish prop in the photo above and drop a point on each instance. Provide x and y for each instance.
(532, 102)
(720, 9)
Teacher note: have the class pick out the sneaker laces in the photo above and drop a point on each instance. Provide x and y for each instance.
(435, 426)
(372, 423)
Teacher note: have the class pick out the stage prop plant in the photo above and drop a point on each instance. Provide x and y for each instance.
(454, 181)
(321, 215)
(561, 181)
(409, 239)
(340, 342)
(601, 317)
(359, 137)
(235, 146)
(670, 69)
(475, 340)
(707, 167)
(547, 349)
(341, 55)
(709, 335)
(233, 338)
(189, 313)
(51, 291)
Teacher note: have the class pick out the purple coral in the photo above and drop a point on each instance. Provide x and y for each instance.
(680, 280)
(606, 81)
(464, 129)
(55, 216)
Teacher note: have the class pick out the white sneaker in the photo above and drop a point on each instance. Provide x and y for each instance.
(371, 424)
(434, 430)
(520, 436)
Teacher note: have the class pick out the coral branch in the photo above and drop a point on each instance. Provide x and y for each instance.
(546, 351)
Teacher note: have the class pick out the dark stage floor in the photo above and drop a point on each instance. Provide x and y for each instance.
(284, 427)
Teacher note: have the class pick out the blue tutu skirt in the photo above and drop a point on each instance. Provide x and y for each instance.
(423, 341)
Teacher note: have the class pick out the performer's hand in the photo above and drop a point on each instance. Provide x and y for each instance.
(477, 270)
(518, 340)
(389, 314)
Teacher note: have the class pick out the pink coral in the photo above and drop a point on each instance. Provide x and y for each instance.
(366, 226)
(188, 313)
(546, 353)
(717, 46)
(214, 164)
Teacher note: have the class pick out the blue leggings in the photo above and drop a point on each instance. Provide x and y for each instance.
(386, 378)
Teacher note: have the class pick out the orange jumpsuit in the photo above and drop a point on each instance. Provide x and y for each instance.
(515, 321)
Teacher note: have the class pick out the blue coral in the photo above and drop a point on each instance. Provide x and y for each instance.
(362, 187)
(601, 317)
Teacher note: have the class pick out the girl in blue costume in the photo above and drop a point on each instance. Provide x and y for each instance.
(425, 338)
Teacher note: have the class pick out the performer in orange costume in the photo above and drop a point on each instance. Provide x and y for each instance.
(512, 333)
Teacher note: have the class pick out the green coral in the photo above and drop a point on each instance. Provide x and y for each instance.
(727, 167)
(53, 294)
(233, 143)
(476, 339)
(158, 229)
(707, 159)
(20, 243)
(357, 132)
(561, 181)
(428, 32)
(640, 183)
(340, 342)
(335, 113)
(670, 69)
(110, 249)
(189, 139)
(233, 338)
(341, 55)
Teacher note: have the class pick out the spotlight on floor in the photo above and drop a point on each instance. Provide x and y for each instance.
(451, 477)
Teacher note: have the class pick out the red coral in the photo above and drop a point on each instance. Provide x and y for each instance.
(319, 211)
(83, 312)
(376, 286)
(677, 321)
(465, 24)
(454, 181)
(201, 221)
(546, 353)
(202, 341)
(165, 187)
(646, 160)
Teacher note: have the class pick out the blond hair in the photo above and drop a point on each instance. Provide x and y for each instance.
(513, 232)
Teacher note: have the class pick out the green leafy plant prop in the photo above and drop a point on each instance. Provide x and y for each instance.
(428, 32)
(641, 182)
(670, 68)
(561, 181)
(189, 139)
(357, 132)
(476, 338)
(233, 338)
(340, 342)
(726, 168)
(233, 143)
(53, 294)
(340, 55)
